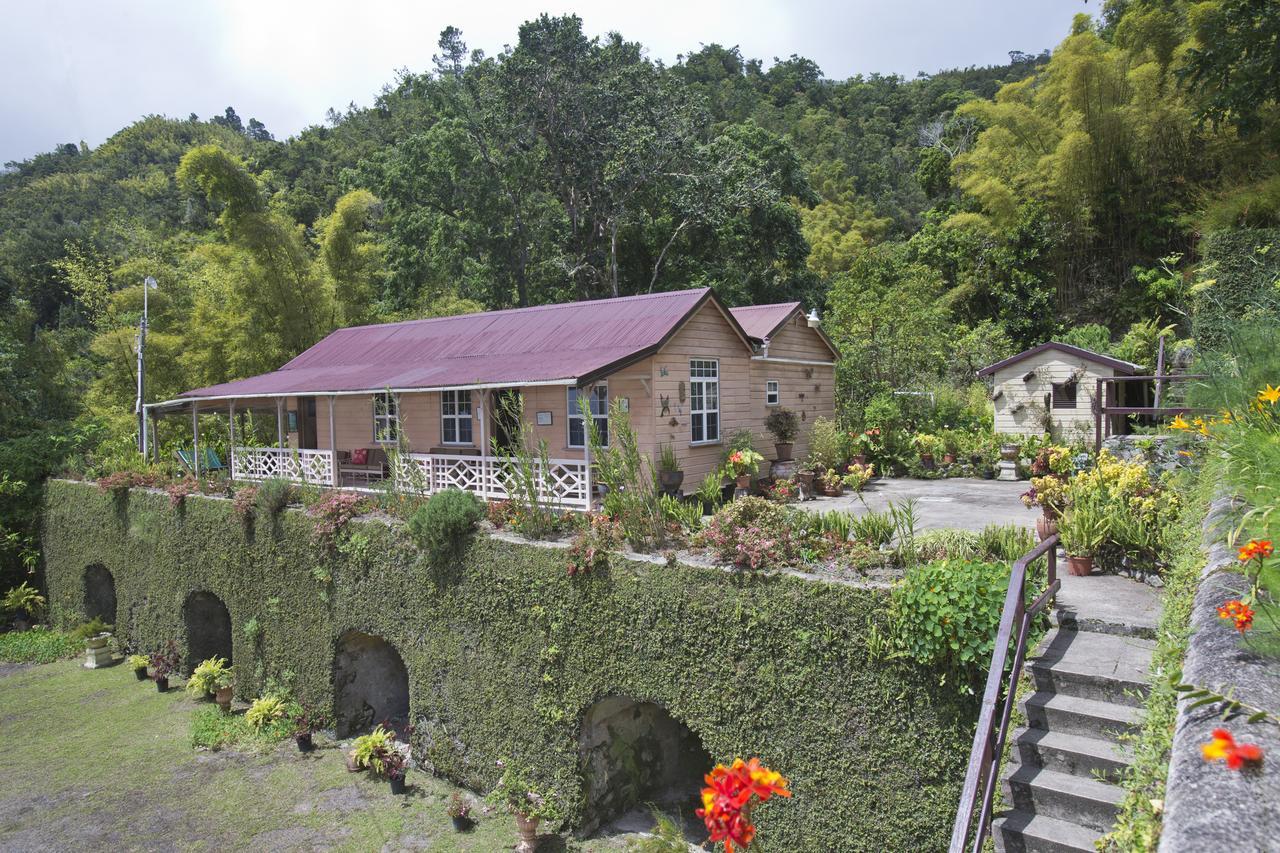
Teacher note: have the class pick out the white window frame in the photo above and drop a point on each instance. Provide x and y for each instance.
(772, 388)
(704, 375)
(599, 413)
(386, 418)
(457, 400)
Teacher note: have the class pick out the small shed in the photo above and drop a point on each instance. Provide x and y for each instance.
(1051, 387)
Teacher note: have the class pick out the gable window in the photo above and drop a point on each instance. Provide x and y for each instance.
(772, 396)
(598, 395)
(455, 417)
(386, 418)
(704, 400)
(1064, 395)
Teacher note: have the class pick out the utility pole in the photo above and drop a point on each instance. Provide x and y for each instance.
(148, 285)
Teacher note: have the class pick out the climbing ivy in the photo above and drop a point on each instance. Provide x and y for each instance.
(506, 654)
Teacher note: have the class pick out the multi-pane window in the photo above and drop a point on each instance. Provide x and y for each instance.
(455, 417)
(1064, 395)
(704, 400)
(771, 394)
(386, 418)
(598, 396)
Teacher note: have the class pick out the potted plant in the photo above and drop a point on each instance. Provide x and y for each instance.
(459, 811)
(98, 641)
(669, 474)
(395, 764)
(858, 476)
(744, 463)
(949, 441)
(528, 802)
(866, 445)
(139, 665)
(382, 755)
(25, 603)
(784, 426)
(832, 483)
(306, 724)
(1009, 451)
(210, 676)
(1082, 529)
(163, 664)
(928, 446)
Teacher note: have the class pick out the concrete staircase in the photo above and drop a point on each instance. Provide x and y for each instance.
(1059, 779)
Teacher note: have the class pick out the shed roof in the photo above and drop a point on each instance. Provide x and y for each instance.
(1128, 368)
(568, 343)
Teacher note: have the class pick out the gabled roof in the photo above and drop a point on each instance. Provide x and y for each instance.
(762, 322)
(570, 343)
(1127, 368)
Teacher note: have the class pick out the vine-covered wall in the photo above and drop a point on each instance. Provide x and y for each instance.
(506, 653)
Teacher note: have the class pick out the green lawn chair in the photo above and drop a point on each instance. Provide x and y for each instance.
(210, 462)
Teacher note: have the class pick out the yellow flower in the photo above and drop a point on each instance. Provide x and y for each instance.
(1227, 417)
(1269, 395)
(1179, 422)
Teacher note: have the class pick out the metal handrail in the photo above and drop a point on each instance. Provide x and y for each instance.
(989, 739)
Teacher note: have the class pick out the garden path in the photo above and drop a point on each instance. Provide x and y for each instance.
(959, 502)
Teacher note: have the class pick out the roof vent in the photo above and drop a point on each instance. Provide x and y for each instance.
(813, 318)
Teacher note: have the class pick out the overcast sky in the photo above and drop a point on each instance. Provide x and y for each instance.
(76, 71)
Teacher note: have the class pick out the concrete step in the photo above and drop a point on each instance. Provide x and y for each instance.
(1108, 604)
(1063, 796)
(1025, 832)
(1104, 667)
(1075, 716)
(1075, 754)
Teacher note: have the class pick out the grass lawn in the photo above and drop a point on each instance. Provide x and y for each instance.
(94, 760)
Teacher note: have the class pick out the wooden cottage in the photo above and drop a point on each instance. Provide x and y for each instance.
(1052, 388)
(423, 401)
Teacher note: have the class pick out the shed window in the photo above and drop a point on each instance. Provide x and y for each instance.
(386, 418)
(1064, 395)
(704, 400)
(599, 399)
(455, 417)
(771, 394)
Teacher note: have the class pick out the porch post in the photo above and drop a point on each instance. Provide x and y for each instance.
(394, 464)
(484, 445)
(280, 422)
(333, 447)
(586, 461)
(231, 431)
(195, 437)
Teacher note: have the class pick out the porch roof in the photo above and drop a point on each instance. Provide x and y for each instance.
(570, 343)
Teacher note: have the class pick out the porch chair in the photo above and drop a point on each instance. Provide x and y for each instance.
(210, 462)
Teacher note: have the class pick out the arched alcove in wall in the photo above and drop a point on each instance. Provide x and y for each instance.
(632, 753)
(99, 594)
(208, 624)
(370, 684)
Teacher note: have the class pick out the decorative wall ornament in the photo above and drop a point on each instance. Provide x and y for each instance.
(680, 388)
(666, 405)
(662, 371)
(808, 373)
(673, 422)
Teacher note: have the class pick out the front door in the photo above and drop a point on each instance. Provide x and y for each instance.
(307, 423)
(507, 406)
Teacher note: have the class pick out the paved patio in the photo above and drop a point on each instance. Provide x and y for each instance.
(959, 502)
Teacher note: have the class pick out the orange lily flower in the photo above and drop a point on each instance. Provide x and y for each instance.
(1269, 395)
(1224, 747)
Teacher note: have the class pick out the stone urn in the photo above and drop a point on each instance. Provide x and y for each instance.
(783, 449)
(1080, 566)
(98, 641)
(527, 830)
(1009, 452)
(670, 481)
(223, 697)
(744, 482)
(805, 479)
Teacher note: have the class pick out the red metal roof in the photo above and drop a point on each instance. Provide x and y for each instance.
(572, 341)
(761, 321)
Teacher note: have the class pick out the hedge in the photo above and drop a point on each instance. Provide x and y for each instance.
(506, 653)
(1238, 283)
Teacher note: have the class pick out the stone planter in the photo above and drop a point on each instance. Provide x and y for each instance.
(948, 459)
(98, 641)
(860, 459)
(744, 482)
(670, 481)
(783, 449)
(805, 479)
(527, 830)
(223, 697)
(1009, 452)
(1080, 566)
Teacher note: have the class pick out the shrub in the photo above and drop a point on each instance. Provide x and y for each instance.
(517, 792)
(209, 676)
(946, 613)
(212, 729)
(332, 512)
(265, 711)
(872, 528)
(633, 498)
(244, 501)
(273, 496)
(686, 514)
(828, 445)
(443, 525)
(26, 598)
(858, 476)
(783, 425)
(1005, 542)
(711, 490)
(948, 545)
(178, 491)
(751, 533)
(591, 545)
(39, 645)
(782, 491)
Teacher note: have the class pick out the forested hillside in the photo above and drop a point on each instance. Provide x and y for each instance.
(938, 223)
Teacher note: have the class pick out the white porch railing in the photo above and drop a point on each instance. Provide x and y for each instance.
(283, 463)
(565, 479)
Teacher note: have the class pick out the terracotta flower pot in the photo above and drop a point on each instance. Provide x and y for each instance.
(527, 829)
(744, 482)
(948, 459)
(926, 461)
(859, 459)
(223, 697)
(1080, 566)
(1046, 526)
(783, 449)
(833, 491)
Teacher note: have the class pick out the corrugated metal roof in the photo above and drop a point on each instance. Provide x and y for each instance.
(1127, 368)
(545, 343)
(761, 321)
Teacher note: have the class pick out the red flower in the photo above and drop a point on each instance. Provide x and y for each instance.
(1224, 746)
(1238, 612)
(1258, 549)
(729, 797)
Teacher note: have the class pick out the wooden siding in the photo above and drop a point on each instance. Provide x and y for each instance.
(807, 390)
(797, 340)
(1049, 367)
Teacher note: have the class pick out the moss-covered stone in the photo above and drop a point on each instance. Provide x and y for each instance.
(507, 653)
